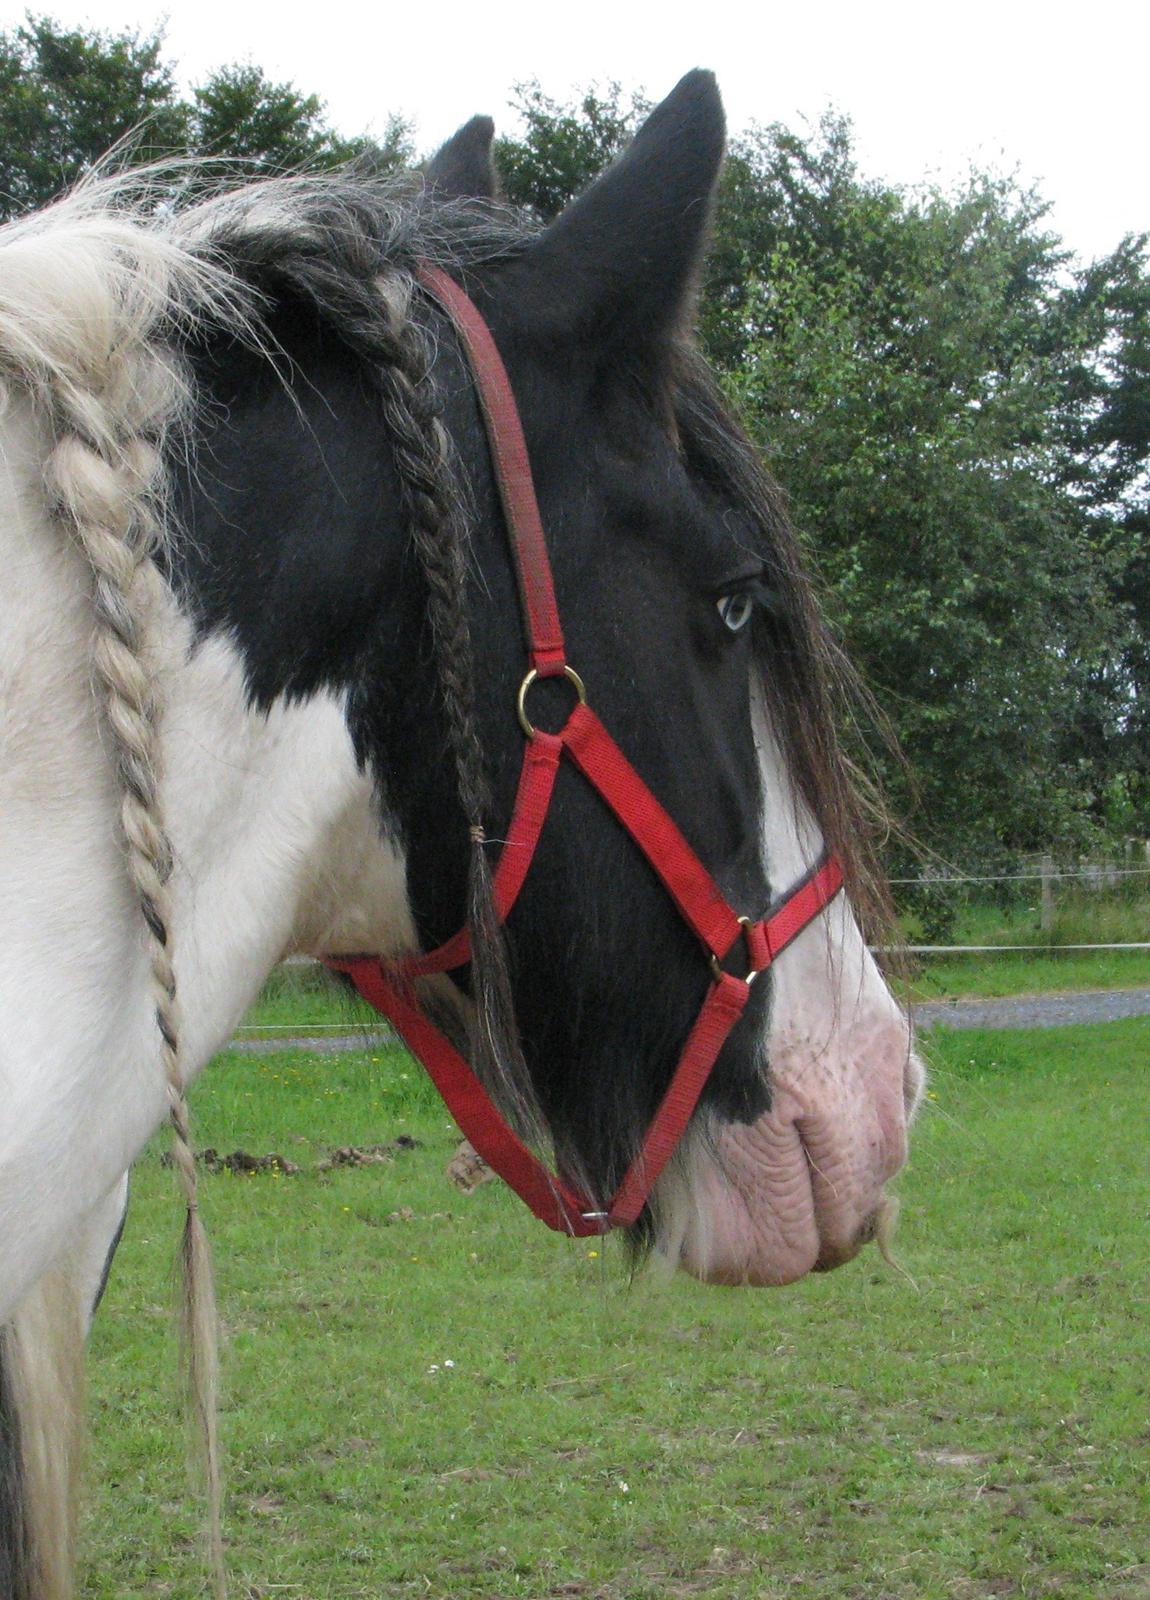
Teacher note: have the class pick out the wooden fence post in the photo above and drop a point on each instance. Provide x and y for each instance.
(1047, 917)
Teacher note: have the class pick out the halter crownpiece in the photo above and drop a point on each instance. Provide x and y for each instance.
(583, 739)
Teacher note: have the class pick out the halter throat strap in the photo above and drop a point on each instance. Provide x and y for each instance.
(584, 741)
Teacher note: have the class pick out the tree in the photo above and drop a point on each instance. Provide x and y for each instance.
(67, 96)
(902, 372)
(563, 147)
(1106, 426)
(240, 115)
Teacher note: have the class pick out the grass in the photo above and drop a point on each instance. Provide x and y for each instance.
(303, 996)
(1116, 916)
(982, 1433)
(955, 977)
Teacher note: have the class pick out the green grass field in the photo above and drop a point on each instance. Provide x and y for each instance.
(971, 976)
(429, 1395)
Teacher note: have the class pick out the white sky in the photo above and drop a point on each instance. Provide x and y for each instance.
(1057, 92)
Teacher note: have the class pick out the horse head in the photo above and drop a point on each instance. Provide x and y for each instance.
(249, 498)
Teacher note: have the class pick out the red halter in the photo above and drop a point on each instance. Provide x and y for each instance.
(387, 985)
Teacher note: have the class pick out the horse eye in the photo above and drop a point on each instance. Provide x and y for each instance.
(736, 609)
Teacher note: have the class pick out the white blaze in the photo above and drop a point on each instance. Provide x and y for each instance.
(798, 1187)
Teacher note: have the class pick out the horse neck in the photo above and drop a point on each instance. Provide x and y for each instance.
(277, 838)
(278, 846)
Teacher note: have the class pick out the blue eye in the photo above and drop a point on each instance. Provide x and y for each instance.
(736, 609)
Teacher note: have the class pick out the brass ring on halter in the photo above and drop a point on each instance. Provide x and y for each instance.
(573, 679)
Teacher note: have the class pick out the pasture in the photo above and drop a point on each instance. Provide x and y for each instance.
(428, 1394)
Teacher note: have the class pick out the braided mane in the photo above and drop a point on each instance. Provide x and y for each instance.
(89, 296)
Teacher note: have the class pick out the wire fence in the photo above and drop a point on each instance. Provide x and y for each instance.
(1092, 874)
(1072, 900)
(997, 949)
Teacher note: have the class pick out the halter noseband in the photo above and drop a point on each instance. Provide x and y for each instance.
(388, 985)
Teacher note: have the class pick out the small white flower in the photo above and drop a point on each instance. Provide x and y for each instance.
(434, 1367)
(449, 1363)
(624, 1488)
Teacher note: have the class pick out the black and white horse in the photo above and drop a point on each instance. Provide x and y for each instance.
(259, 648)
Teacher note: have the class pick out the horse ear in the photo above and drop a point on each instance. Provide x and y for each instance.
(623, 259)
(463, 168)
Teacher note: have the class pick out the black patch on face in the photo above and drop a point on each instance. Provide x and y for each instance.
(641, 549)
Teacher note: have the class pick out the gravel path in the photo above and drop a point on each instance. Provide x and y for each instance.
(1035, 1010)
(320, 1044)
(1021, 1011)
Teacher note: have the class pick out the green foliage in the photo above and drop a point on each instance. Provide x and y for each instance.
(239, 111)
(68, 96)
(563, 147)
(243, 116)
(902, 386)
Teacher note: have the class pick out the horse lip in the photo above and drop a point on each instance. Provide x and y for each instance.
(868, 1231)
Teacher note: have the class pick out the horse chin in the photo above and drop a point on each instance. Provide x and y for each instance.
(801, 1188)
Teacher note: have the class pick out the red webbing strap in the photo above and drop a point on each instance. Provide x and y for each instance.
(721, 1010)
(553, 1201)
(512, 473)
(532, 801)
(771, 936)
(685, 878)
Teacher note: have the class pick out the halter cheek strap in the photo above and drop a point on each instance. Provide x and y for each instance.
(585, 742)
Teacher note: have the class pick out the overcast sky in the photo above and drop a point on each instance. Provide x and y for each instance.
(1058, 93)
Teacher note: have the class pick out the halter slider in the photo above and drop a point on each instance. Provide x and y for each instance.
(717, 970)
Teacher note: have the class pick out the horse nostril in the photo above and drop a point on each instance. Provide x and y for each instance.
(868, 1232)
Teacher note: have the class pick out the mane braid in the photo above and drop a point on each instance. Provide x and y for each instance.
(423, 457)
(103, 486)
(349, 276)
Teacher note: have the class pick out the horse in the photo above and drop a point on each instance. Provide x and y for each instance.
(262, 636)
